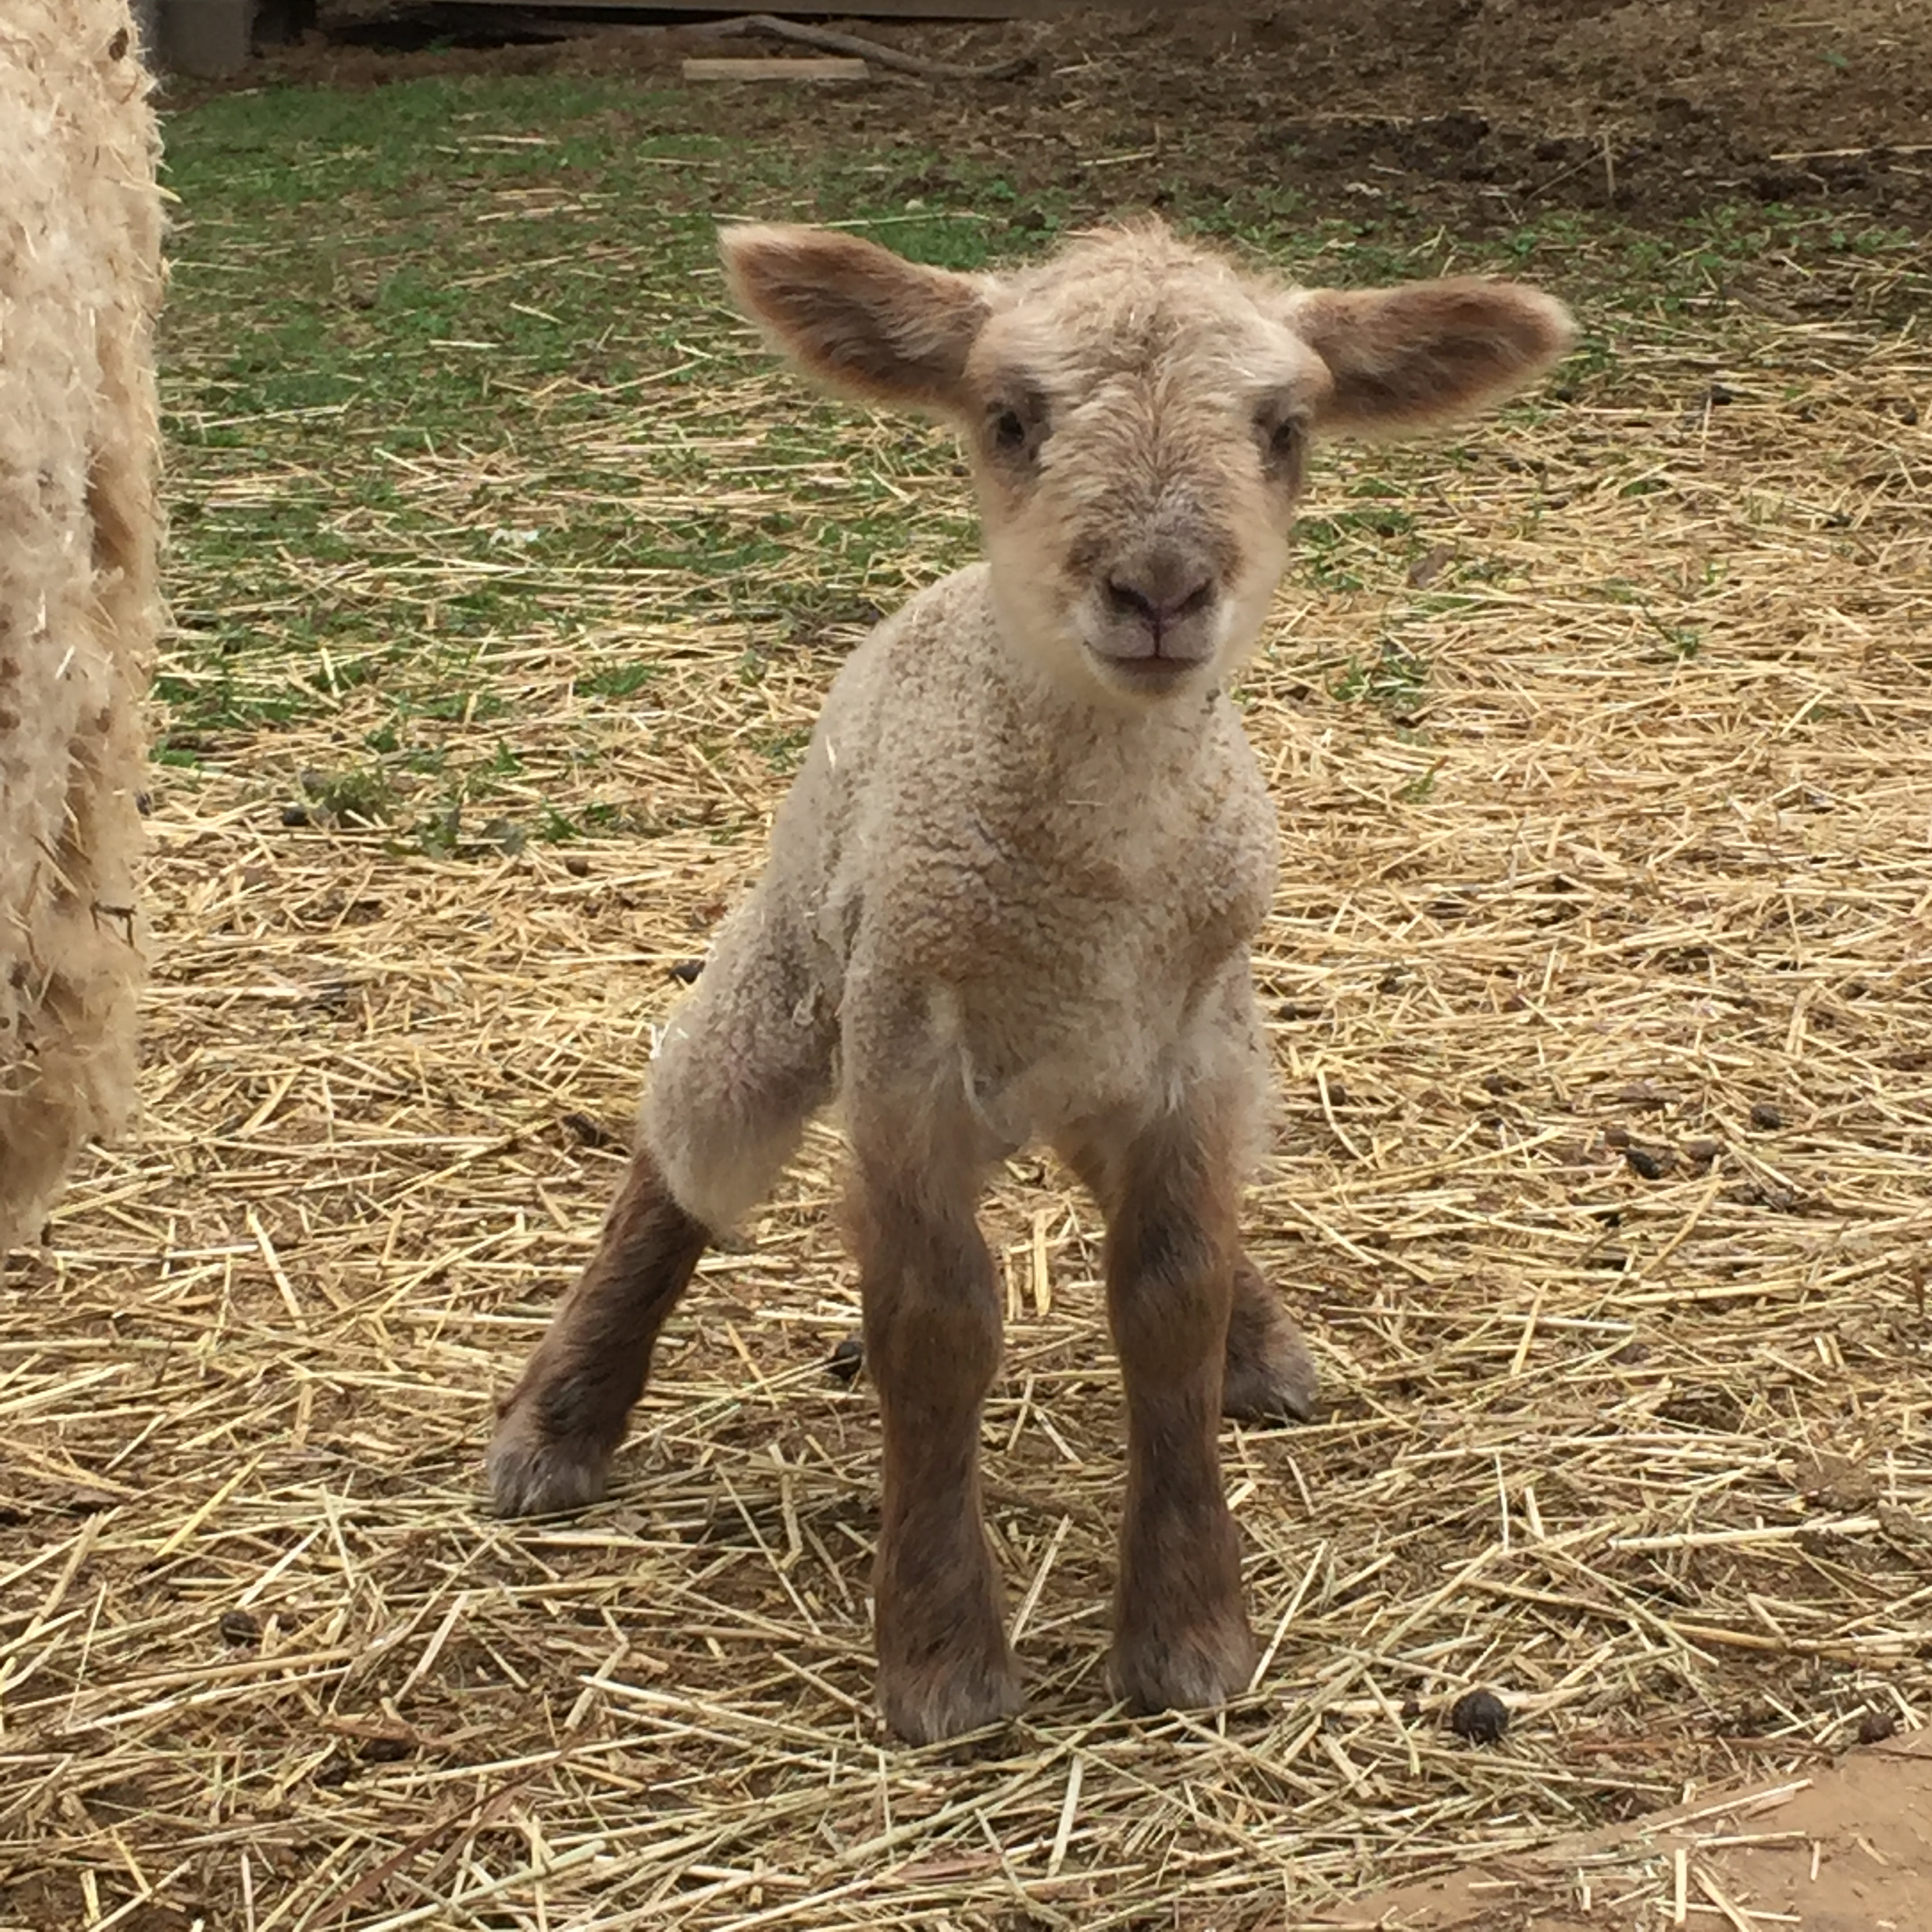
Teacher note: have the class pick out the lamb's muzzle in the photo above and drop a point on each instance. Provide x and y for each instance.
(1161, 599)
(1009, 899)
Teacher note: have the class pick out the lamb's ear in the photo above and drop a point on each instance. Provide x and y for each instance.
(856, 315)
(1422, 352)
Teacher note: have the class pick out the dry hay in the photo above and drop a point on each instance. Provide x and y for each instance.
(79, 278)
(1599, 975)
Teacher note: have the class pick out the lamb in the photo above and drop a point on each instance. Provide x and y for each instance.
(1009, 900)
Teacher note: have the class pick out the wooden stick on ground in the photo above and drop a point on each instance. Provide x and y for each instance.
(832, 41)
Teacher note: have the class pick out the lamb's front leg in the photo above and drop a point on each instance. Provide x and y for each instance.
(1181, 1635)
(560, 1423)
(932, 1339)
(737, 1077)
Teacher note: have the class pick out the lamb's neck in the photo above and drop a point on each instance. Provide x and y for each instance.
(1072, 733)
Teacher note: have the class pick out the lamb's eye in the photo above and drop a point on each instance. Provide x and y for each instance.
(1010, 431)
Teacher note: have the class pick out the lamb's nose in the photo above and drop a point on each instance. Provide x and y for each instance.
(1156, 600)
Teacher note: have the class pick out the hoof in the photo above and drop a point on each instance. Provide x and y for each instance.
(1196, 1668)
(946, 1699)
(532, 1475)
(1270, 1375)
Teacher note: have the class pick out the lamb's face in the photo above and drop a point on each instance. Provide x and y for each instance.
(1138, 430)
(1138, 410)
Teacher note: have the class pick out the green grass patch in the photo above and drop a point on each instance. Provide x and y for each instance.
(448, 372)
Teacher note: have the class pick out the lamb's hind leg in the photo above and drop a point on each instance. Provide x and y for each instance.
(1270, 1375)
(737, 1078)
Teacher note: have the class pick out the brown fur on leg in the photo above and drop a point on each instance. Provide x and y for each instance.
(932, 1320)
(560, 1425)
(1270, 1375)
(1180, 1636)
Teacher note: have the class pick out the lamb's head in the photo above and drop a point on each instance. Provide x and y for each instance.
(1138, 412)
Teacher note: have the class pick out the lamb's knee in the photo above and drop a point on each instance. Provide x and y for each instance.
(723, 1114)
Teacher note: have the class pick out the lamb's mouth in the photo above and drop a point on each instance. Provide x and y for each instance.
(1151, 674)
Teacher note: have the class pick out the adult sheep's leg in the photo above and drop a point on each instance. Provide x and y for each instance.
(1169, 1189)
(745, 1062)
(932, 1340)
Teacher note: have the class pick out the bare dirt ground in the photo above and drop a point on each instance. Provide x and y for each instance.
(1484, 112)
(1847, 1850)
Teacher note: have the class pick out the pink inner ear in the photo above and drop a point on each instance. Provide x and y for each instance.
(1428, 351)
(857, 316)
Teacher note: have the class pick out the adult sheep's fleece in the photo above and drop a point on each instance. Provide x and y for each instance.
(79, 282)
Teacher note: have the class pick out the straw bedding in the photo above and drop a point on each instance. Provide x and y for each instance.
(1601, 987)
(79, 276)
